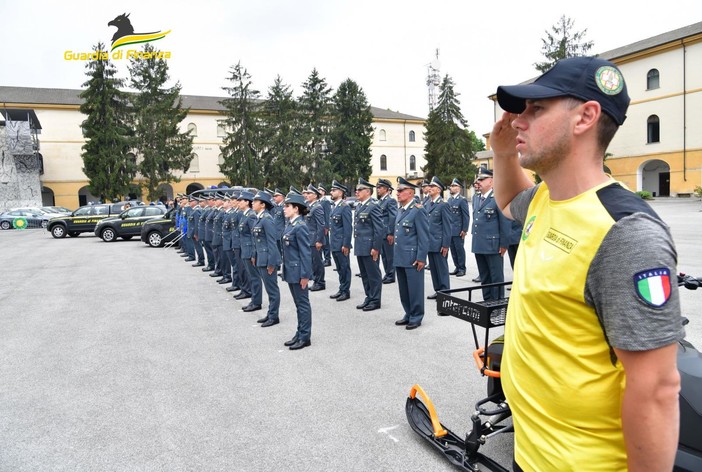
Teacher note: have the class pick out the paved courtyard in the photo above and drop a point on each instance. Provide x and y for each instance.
(123, 357)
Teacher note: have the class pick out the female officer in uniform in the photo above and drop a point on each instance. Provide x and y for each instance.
(246, 224)
(266, 257)
(297, 267)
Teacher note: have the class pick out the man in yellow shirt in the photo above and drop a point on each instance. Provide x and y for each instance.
(589, 366)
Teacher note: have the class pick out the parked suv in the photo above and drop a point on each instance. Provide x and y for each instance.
(128, 224)
(158, 231)
(83, 220)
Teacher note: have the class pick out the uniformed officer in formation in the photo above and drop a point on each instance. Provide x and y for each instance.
(490, 237)
(317, 227)
(226, 241)
(297, 267)
(369, 232)
(266, 256)
(411, 244)
(340, 240)
(278, 217)
(247, 222)
(240, 276)
(440, 237)
(207, 220)
(217, 242)
(460, 223)
(425, 192)
(388, 207)
(327, 205)
(194, 231)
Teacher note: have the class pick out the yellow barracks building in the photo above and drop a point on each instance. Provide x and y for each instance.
(397, 147)
(659, 147)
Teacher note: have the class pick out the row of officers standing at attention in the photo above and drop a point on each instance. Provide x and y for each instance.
(244, 236)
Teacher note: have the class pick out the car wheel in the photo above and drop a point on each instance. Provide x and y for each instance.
(127, 238)
(108, 235)
(5, 225)
(73, 234)
(58, 231)
(44, 224)
(155, 239)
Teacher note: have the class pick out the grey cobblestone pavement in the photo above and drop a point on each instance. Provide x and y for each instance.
(116, 356)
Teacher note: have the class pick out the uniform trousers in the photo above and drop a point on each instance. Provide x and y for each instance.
(326, 248)
(439, 271)
(410, 282)
(317, 267)
(255, 279)
(210, 255)
(217, 251)
(198, 250)
(227, 256)
(270, 282)
(343, 268)
(371, 277)
(304, 311)
(240, 278)
(458, 253)
(387, 252)
(491, 271)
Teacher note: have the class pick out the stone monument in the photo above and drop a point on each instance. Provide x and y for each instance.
(19, 163)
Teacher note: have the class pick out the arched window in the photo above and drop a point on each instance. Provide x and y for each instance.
(192, 129)
(381, 135)
(194, 164)
(653, 79)
(653, 129)
(411, 136)
(383, 162)
(413, 163)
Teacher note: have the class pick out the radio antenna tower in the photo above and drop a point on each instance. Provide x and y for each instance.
(433, 81)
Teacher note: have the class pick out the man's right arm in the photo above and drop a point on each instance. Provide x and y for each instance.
(509, 178)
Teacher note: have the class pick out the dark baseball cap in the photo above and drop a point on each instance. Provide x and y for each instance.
(583, 77)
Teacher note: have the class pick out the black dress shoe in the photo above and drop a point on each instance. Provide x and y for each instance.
(413, 326)
(362, 306)
(300, 344)
(262, 320)
(342, 297)
(432, 296)
(199, 264)
(207, 269)
(189, 259)
(216, 274)
(371, 307)
(454, 272)
(358, 275)
(402, 322)
(388, 281)
(291, 342)
(232, 289)
(335, 295)
(477, 279)
(250, 307)
(242, 296)
(317, 288)
(268, 323)
(442, 314)
(183, 254)
(460, 274)
(224, 281)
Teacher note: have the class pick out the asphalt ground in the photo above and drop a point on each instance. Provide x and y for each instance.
(117, 356)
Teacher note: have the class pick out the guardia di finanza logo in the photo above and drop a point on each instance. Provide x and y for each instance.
(124, 36)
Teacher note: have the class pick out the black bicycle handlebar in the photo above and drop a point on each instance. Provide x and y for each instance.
(688, 281)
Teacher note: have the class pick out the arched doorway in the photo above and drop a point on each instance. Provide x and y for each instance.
(654, 177)
(193, 187)
(47, 197)
(85, 197)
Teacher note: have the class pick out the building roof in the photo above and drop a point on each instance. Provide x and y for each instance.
(54, 96)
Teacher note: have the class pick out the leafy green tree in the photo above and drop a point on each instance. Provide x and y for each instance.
(282, 157)
(351, 134)
(106, 130)
(449, 150)
(315, 115)
(241, 149)
(158, 112)
(562, 42)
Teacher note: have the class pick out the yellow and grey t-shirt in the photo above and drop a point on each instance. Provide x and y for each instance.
(592, 272)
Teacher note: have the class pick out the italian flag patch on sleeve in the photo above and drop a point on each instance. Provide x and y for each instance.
(653, 286)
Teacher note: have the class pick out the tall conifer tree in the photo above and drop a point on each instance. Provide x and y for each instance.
(562, 42)
(315, 115)
(106, 130)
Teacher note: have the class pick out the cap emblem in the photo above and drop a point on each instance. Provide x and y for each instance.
(609, 80)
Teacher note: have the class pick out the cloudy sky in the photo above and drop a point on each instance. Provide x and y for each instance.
(384, 45)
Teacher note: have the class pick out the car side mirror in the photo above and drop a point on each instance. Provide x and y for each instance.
(123, 215)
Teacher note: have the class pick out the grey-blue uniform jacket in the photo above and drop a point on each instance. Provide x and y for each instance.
(439, 214)
(341, 229)
(246, 224)
(490, 227)
(411, 235)
(234, 224)
(202, 224)
(193, 222)
(368, 230)
(217, 227)
(316, 223)
(227, 230)
(327, 205)
(460, 217)
(296, 252)
(279, 220)
(265, 245)
(209, 224)
(388, 206)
